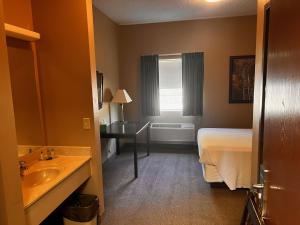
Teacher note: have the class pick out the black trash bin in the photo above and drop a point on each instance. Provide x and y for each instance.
(81, 210)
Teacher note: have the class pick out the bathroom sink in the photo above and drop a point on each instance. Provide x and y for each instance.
(40, 176)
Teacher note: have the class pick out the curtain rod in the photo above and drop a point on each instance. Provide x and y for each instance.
(170, 56)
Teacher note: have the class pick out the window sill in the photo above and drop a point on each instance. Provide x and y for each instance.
(170, 110)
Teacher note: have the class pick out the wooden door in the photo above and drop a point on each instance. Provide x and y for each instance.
(282, 116)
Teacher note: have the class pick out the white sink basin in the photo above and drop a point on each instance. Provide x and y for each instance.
(40, 176)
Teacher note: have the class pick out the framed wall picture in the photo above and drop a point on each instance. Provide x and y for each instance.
(241, 79)
(100, 89)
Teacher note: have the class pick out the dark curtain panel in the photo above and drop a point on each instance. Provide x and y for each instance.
(192, 83)
(150, 85)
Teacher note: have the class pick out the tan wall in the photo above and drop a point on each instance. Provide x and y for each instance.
(67, 71)
(217, 38)
(12, 211)
(107, 60)
(258, 86)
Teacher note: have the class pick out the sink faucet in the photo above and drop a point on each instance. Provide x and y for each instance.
(50, 154)
(23, 167)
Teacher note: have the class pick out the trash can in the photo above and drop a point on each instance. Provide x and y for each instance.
(81, 210)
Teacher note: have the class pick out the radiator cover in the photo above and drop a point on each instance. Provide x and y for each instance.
(172, 132)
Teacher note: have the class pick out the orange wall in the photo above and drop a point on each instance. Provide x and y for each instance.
(66, 64)
(26, 106)
(107, 59)
(67, 77)
(217, 38)
(64, 68)
(258, 86)
(18, 13)
(12, 210)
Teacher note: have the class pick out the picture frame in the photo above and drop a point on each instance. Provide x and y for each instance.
(241, 79)
(100, 89)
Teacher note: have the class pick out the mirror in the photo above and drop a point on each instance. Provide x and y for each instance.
(26, 98)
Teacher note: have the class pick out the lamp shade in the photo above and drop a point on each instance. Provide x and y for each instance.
(121, 97)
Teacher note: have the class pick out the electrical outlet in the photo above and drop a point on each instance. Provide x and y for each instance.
(86, 123)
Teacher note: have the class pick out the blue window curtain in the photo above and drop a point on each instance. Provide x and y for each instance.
(192, 83)
(150, 85)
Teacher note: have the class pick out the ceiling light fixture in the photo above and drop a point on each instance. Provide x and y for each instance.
(212, 0)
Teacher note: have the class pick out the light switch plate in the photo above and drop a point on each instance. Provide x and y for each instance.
(86, 123)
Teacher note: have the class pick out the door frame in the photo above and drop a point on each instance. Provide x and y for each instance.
(266, 27)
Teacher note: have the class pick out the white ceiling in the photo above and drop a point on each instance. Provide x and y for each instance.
(153, 11)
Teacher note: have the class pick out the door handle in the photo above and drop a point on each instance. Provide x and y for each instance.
(277, 188)
(258, 186)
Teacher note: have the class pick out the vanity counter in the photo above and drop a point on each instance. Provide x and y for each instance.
(43, 176)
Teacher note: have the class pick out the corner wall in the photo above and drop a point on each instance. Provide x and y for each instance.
(12, 209)
(217, 38)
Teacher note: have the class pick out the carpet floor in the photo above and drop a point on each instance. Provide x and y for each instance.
(170, 190)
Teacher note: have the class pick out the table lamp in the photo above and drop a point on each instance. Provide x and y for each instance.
(121, 97)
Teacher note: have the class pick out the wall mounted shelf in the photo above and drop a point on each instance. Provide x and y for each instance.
(21, 33)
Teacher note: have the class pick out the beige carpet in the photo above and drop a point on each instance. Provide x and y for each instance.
(170, 190)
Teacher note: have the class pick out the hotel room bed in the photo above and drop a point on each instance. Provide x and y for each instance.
(225, 155)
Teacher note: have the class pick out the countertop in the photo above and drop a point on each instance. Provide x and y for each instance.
(66, 164)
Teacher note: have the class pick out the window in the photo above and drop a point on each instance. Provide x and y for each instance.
(170, 84)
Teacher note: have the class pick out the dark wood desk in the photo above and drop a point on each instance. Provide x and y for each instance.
(119, 130)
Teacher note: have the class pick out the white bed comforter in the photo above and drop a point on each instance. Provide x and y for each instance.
(230, 151)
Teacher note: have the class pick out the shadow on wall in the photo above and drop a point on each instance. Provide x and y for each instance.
(108, 148)
(108, 145)
(107, 96)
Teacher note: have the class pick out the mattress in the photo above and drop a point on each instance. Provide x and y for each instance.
(229, 151)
